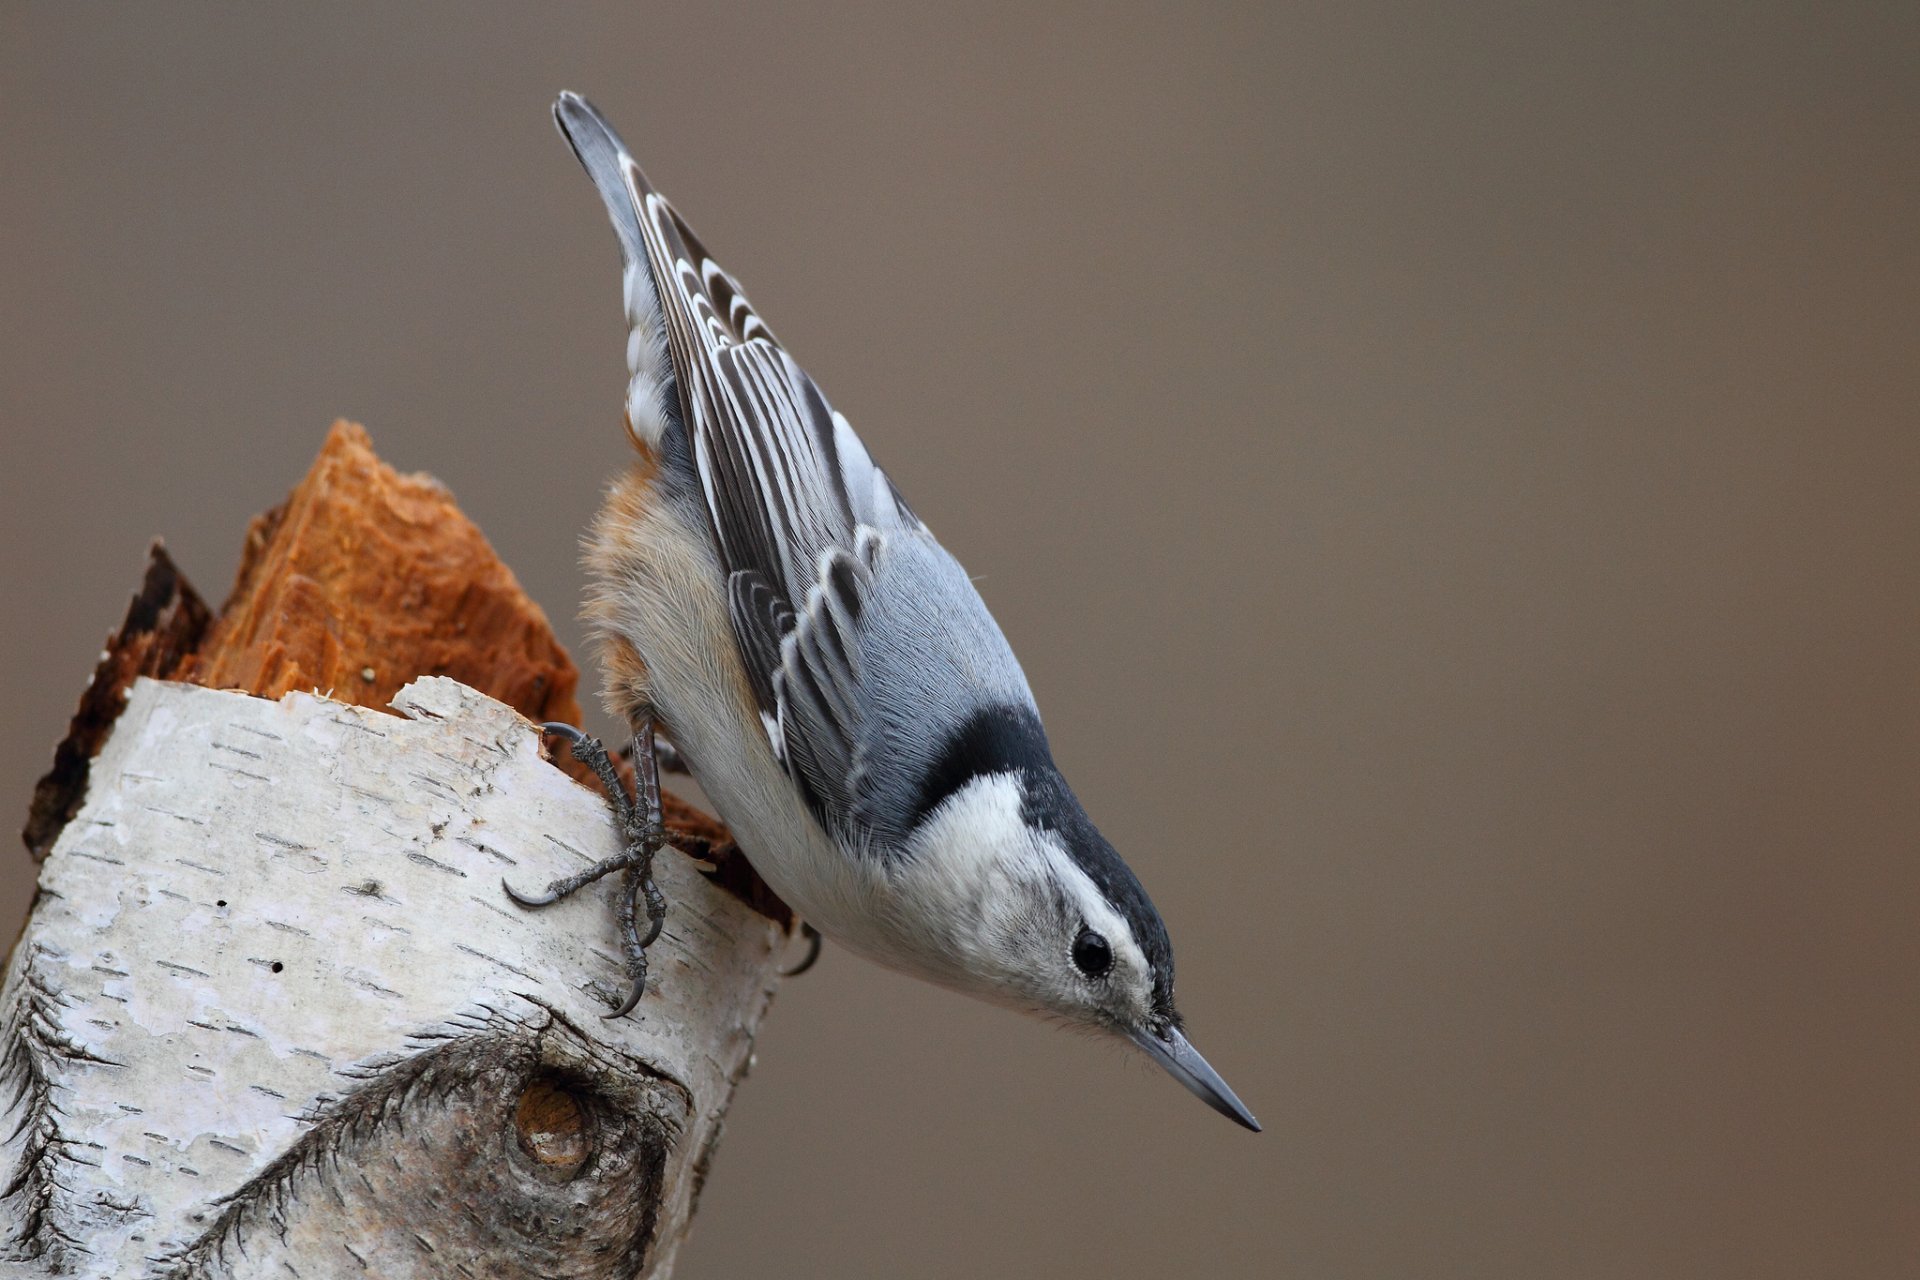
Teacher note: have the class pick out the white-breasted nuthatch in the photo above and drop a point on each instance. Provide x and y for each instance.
(831, 677)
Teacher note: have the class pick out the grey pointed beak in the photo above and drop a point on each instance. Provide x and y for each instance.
(1185, 1064)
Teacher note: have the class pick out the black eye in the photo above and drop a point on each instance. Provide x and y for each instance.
(1091, 954)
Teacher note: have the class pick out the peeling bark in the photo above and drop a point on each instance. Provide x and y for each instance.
(163, 627)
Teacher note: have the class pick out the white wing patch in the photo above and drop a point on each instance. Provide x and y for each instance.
(649, 366)
(775, 737)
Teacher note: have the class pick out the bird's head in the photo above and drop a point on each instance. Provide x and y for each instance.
(1036, 910)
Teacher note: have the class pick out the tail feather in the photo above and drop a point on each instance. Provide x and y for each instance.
(653, 398)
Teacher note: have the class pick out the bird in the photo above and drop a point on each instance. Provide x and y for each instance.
(829, 674)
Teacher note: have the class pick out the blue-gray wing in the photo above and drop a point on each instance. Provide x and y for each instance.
(864, 642)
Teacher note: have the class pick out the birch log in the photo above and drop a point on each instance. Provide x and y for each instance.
(273, 1014)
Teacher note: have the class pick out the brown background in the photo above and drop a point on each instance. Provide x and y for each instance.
(1451, 478)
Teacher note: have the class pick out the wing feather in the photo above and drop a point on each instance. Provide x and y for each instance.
(799, 513)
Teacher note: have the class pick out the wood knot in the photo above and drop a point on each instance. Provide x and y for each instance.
(553, 1127)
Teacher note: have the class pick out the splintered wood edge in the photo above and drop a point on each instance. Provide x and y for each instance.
(170, 633)
(366, 577)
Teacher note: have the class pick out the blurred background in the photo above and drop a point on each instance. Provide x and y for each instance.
(1450, 473)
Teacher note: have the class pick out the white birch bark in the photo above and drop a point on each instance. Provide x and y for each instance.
(274, 1015)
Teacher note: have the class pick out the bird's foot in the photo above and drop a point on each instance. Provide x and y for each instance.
(642, 834)
(667, 758)
(807, 961)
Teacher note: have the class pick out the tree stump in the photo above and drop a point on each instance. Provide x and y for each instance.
(273, 1013)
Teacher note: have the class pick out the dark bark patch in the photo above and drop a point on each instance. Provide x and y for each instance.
(509, 1148)
(164, 625)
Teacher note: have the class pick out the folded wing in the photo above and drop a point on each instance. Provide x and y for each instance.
(801, 516)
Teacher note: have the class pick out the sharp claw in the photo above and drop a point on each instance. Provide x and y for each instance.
(528, 900)
(813, 953)
(653, 931)
(561, 729)
(633, 998)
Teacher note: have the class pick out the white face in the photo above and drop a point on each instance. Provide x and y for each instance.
(987, 905)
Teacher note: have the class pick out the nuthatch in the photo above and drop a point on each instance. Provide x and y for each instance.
(831, 677)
